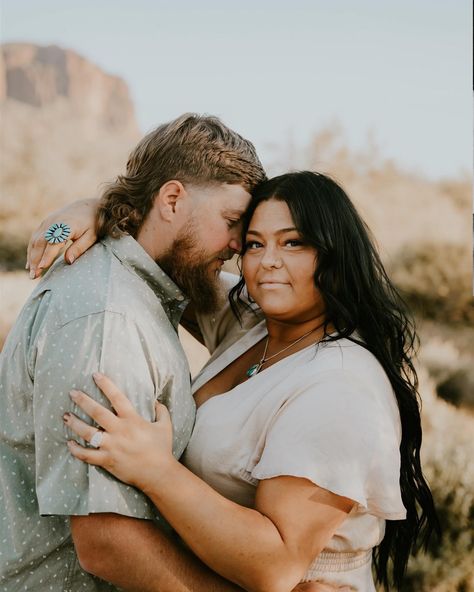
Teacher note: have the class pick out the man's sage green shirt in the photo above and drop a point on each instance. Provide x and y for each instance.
(113, 311)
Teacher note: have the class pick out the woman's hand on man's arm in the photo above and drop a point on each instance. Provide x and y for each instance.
(266, 548)
(80, 217)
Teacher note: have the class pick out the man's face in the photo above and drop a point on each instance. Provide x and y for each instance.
(211, 235)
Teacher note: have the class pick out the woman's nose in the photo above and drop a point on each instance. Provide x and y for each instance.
(271, 259)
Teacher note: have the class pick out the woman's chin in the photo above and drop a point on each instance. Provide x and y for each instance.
(275, 310)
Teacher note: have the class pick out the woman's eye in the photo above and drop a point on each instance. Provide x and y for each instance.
(294, 242)
(231, 223)
(252, 245)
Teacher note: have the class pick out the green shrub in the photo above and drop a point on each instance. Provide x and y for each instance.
(447, 454)
(12, 252)
(436, 281)
(458, 388)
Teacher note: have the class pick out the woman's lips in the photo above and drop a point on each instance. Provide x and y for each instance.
(272, 285)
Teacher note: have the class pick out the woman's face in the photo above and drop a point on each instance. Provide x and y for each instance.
(278, 267)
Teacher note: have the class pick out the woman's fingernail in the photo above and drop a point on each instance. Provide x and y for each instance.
(32, 273)
(73, 394)
(27, 266)
(97, 375)
(66, 417)
(70, 259)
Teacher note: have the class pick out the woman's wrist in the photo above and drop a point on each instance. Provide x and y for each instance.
(158, 476)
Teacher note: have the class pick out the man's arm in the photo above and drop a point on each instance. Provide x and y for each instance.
(111, 525)
(137, 556)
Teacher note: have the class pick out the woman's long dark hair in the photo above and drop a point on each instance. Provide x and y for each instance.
(359, 296)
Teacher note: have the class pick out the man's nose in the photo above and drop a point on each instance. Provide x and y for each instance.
(235, 242)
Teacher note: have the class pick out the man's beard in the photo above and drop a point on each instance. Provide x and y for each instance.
(188, 267)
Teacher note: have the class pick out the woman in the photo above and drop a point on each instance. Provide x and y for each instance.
(305, 452)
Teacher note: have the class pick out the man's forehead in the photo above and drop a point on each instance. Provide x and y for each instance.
(231, 195)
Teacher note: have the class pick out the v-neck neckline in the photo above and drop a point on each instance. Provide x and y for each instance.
(230, 354)
(254, 377)
(230, 359)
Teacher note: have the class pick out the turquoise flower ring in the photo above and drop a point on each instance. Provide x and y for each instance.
(57, 233)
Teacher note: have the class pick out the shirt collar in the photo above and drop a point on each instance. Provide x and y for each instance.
(134, 256)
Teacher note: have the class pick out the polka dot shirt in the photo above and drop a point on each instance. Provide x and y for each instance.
(113, 311)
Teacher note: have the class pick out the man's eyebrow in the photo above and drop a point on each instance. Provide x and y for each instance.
(229, 212)
(281, 231)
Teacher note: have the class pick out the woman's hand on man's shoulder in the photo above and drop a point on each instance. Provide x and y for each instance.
(80, 217)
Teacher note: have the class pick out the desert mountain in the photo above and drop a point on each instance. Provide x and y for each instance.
(66, 127)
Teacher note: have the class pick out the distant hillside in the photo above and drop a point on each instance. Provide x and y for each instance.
(400, 206)
(42, 76)
(66, 127)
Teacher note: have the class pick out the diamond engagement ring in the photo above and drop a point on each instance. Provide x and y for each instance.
(96, 439)
(57, 233)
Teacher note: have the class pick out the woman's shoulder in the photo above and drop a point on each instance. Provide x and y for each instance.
(346, 357)
(345, 372)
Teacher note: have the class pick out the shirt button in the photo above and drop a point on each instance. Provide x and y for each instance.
(180, 298)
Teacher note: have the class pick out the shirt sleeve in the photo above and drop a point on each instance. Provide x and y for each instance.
(65, 359)
(223, 324)
(343, 438)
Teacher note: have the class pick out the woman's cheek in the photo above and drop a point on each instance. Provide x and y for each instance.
(245, 268)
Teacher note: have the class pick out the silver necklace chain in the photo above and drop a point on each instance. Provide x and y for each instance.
(255, 368)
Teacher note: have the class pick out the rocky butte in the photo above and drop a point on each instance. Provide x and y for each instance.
(66, 127)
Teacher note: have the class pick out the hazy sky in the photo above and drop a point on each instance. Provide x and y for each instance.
(276, 70)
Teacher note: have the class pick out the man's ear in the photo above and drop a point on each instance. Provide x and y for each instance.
(170, 197)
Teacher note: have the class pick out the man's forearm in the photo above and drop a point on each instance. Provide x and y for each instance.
(137, 556)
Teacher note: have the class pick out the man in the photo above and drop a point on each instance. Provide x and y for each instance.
(166, 226)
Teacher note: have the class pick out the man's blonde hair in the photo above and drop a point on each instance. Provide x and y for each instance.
(195, 149)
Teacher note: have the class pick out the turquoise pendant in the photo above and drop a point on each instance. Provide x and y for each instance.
(253, 370)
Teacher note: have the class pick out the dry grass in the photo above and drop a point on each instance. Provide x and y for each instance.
(447, 454)
(15, 287)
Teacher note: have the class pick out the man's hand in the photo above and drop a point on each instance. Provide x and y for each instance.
(80, 217)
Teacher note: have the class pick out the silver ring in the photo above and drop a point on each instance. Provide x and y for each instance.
(57, 233)
(96, 439)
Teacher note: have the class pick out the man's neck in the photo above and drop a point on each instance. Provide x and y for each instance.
(153, 239)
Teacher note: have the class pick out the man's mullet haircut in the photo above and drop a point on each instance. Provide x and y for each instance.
(194, 149)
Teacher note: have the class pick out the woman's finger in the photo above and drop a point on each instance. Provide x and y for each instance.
(48, 256)
(80, 246)
(321, 587)
(30, 249)
(40, 250)
(96, 411)
(161, 412)
(80, 217)
(79, 427)
(93, 456)
(117, 399)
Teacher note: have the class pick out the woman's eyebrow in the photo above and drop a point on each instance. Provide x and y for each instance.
(281, 231)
